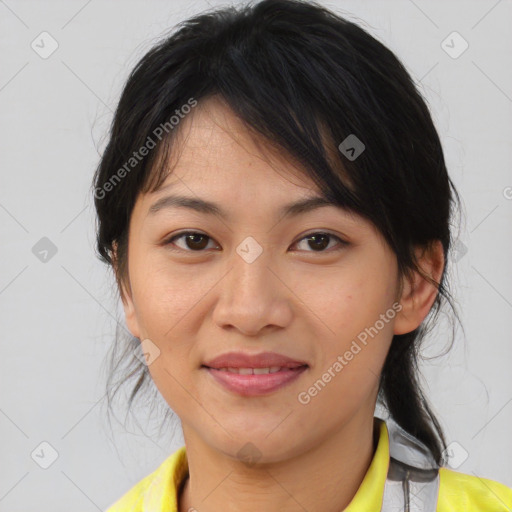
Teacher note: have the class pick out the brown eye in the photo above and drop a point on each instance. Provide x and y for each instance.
(193, 240)
(319, 241)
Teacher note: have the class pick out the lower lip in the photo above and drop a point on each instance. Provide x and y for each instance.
(255, 385)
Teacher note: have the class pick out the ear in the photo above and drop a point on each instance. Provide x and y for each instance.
(418, 294)
(126, 296)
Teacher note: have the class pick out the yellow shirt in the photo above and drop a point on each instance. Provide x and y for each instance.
(458, 492)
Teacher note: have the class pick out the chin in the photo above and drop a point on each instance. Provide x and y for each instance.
(256, 448)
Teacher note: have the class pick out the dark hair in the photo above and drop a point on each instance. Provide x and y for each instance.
(304, 79)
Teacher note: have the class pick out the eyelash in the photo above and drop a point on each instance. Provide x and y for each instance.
(169, 241)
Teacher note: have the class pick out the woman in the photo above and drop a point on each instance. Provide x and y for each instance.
(275, 203)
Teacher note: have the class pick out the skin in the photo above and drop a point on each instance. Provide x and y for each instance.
(306, 303)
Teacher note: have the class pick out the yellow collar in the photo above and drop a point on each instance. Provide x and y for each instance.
(371, 491)
(162, 493)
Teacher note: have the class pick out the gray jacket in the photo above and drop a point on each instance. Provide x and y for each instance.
(412, 483)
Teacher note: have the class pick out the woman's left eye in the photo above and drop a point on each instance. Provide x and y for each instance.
(320, 241)
(195, 241)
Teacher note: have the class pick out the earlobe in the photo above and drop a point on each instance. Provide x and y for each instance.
(126, 297)
(418, 294)
(131, 316)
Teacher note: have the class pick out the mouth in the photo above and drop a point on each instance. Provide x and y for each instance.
(257, 371)
(255, 381)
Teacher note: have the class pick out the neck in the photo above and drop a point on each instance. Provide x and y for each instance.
(323, 478)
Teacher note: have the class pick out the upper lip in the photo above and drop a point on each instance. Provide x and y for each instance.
(261, 360)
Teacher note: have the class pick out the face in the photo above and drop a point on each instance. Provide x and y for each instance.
(312, 286)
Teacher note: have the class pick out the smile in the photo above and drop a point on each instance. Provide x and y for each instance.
(255, 381)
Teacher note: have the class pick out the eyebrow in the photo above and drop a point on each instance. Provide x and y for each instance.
(210, 208)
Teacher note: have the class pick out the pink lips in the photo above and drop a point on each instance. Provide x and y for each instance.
(254, 384)
(261, 360)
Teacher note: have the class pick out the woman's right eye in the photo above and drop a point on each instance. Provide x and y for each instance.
(194, 241)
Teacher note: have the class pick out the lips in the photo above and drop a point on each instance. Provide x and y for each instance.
(254, 371)
(241, 362)
(253, 384)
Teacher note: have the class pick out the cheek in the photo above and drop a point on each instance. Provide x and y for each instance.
(342, 302)
(347, 308)
(165, 307)
(165, 295)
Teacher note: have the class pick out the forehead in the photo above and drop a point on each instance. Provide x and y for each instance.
(217, 154)
(214, 138)
(217, 159)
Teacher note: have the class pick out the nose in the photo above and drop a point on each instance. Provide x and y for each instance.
(252, 296)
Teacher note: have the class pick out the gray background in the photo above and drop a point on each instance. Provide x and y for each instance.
(57, 317)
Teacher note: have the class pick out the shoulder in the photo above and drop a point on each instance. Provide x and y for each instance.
(158, 490)
(459, 491)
